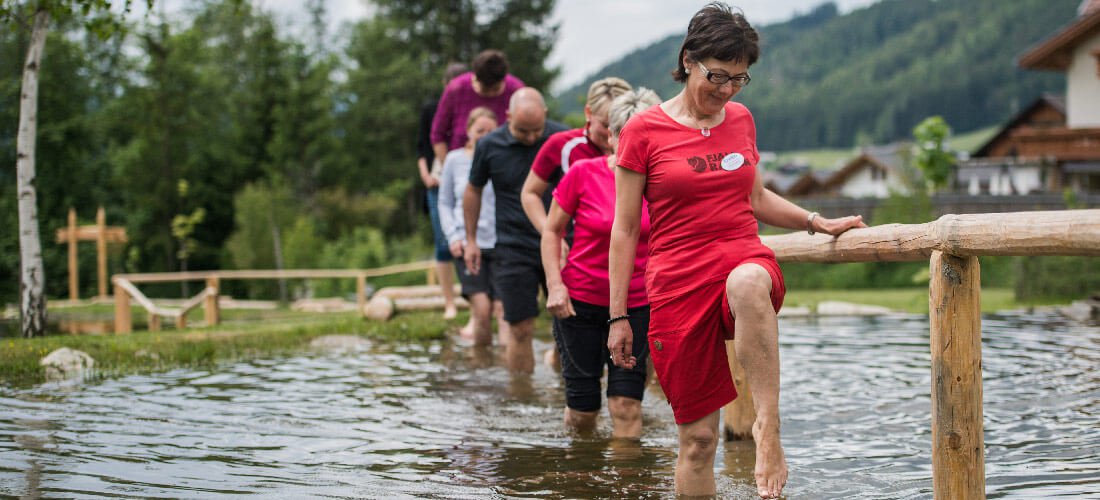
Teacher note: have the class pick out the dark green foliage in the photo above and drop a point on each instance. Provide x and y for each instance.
(823, 80)
(1057, 277)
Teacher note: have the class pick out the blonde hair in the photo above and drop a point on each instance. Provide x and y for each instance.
(628, 105)
(602, 92)
(480, 112)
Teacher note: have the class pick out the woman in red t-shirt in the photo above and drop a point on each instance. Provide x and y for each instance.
(577, 295)
(709, 277)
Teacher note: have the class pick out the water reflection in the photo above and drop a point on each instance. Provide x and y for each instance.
(441, 420)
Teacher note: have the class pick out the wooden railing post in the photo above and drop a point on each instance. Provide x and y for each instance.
(74, 272)
(958, 441)
(101, 252)
(739, 414)
(210, 311)
(123, 321)
(361, 294)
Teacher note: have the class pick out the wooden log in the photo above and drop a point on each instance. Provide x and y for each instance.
(958, 442)
(379, 308)
(1061, 232)
(74, 272)
(90, 232)
(101, 252)
(154, 322)
(210, 311)
(123, 321)
(739, 414)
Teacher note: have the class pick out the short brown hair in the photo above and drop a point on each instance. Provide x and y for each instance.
(490, 67)
(718, 32)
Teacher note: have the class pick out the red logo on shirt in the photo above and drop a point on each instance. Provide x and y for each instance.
(711, 162)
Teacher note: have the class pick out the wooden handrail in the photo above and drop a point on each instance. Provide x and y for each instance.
(1064, 232)
(276, 274)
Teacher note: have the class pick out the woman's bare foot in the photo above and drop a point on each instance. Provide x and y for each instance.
(771, 465)
(450, 312)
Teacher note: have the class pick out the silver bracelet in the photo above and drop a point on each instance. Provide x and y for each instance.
(810, 223)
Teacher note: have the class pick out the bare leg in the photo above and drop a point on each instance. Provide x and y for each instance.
(695, 462)
(581, 421)
(519, 354)
(445, 272)
(481, 331)
(756, 338)
(504, 332)
(626, 417)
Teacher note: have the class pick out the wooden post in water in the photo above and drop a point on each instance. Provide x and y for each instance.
(739, 415)
(123, 322)
(958, 442)
(74, 273)
(210, 311)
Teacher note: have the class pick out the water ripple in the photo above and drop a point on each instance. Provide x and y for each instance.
(441, 421)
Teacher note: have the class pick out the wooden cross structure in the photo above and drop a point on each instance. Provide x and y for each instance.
(100, 233)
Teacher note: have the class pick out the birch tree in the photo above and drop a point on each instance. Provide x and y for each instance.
(98, 17)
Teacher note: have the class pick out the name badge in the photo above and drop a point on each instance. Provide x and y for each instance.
(733, 161)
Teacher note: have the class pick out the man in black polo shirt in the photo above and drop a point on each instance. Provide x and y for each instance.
(504, 156)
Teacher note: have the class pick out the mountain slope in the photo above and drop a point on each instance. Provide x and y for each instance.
(830, 80)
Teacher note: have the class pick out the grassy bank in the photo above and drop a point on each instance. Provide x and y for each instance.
(145, 351)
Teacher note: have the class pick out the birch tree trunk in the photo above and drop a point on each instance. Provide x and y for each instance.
(32, 278)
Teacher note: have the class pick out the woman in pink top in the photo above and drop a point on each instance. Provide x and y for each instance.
(578, 294)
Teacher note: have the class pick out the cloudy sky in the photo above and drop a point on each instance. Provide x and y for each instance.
(592, 33)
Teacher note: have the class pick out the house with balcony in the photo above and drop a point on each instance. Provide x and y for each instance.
(1054, 144)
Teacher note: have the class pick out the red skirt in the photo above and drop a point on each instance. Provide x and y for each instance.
(687, 335)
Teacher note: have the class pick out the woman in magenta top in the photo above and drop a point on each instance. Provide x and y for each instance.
(709, 277)
(578, 294)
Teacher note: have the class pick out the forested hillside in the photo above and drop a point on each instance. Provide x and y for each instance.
(830, 80)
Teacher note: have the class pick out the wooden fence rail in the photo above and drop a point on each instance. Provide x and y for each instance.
(126, 289)
(952, 245)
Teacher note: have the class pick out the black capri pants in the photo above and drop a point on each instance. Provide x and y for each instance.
(582, 344)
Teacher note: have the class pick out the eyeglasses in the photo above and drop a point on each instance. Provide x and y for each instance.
(722, 78)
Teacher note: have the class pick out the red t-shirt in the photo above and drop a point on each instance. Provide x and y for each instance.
(698, 191)
(560, 151)
(587, 193)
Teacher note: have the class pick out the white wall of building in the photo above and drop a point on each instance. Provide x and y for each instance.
(1083, 86)
(863, 185)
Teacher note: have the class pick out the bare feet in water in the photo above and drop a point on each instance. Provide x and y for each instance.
(467, 331)
(771, 465)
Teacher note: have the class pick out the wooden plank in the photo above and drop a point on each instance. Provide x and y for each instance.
(958, 441)
(1061, 232)
(113, 234)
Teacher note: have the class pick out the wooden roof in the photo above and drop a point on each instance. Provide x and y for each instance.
(1056, 52)
(1054, 104)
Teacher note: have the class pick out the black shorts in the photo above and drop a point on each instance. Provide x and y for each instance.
(582, 342)
(477, 283)
(517, 277)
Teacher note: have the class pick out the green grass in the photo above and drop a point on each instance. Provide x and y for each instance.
(972, 140)
(817, 159)
(834, 158)
(143, 351)
(912, 300)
